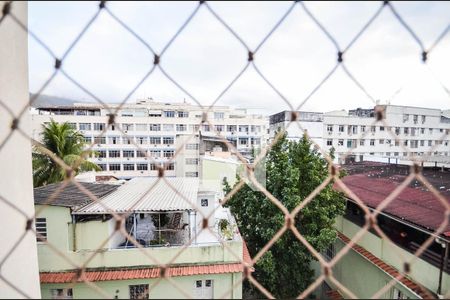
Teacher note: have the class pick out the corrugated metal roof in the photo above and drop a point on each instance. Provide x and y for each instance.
(413, 205)
(70, 196)
(148, 194)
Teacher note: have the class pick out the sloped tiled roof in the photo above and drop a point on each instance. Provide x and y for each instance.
(393, 272)
(70, 196)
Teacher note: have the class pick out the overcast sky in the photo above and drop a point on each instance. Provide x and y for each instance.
(204, 59)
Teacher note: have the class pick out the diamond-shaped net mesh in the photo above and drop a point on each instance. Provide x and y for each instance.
(166, 271)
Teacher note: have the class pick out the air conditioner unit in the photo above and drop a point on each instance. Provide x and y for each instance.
(125, 131)
(98, 145)
(329, 132)
(81, 131)
(99, 159)
(128, 158)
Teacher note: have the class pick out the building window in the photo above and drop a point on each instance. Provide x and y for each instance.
(329, 142)
(155, 153)
(191, 146)
(128, 153)
(219, 115)
(363, 128)
(194, 128)
(102, 167)
(219, 128)
(141, 140)
(181, 127)
(169, 114)
(128, 167)
(204, 202)
(168, 140)
(381, 142)
(127, 140)
(85, 126)
(330, 252)
(153, 167)
(140, 153)
(101, 153)
(41, 229)
(330, 128)
(203, 289)
(114, 153)
(169, 167)
(231, 128)
(372, 142)
(388, 142)
(192, 161)
(126, 126)
(405, 143)
(155, 127)
(114, 167)
(243, 141)
(183, 114)
(99, 126)
(113, 140)
(397, 294)
(142, 167)
(168, 127)
(243, 128)
(100, 140)
(341, 128)
(139, 291)
(168, 153)
(61, 293)
(88, 139)
(340, 142)
(372, 128)
(361, 142)
(381, 128)
(191, 174)
(155, 140)
(397, 143)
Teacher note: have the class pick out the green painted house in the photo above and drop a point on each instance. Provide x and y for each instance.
(146, 238)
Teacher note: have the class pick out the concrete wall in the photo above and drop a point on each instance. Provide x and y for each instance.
(162, 290)
(16, 184)
(213, 170)
(421, 271)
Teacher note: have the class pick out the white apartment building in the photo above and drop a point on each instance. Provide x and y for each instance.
(153, 132)
(417, 129)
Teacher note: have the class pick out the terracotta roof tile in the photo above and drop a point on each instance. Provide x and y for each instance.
(425, 294)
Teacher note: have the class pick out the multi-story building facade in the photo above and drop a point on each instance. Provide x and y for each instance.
(355, 135)
(148, 134)
(202, 257)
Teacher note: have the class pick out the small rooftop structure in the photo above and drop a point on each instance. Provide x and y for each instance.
(148, 194)
(71, 195)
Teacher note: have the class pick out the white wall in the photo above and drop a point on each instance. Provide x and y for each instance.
(16, 185)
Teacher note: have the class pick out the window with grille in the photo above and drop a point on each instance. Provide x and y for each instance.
(41, 229)
(114, 167)
(231, 128)
(168, 153)
(61, 293)
(85, 126)
(219, 128)
(192, 161)
(341, 128)
(169, 167)
(142, 167)
(168, 127)
(101, 153)
(140, 153)
(168, 140)
(128, 153)
(114, 153)
(219, 115)
(127, 126)
(155, 153)
(128, 167)
(113, 140)
(169, 114)
(191, 146)
(139, 291)
(191, 174)
(155, 140)
(155, 127)
(183, 114)
(203, 289)
(330, 252)
(99, 126)
(141, 140)
(99, 140)
(88, 139)
(181, 127)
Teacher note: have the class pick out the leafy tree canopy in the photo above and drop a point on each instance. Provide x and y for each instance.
(67, 144)
(294, 170)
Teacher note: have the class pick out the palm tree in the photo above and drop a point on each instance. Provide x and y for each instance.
(67, 144)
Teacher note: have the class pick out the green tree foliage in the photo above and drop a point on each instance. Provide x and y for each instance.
(67, 144)
(294, 170)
